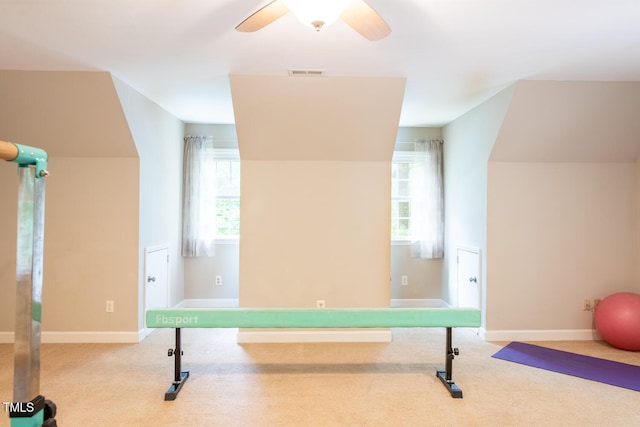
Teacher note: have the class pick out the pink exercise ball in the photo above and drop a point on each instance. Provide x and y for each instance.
(617, 320)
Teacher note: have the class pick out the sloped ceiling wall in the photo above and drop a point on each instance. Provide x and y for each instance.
(308, 118)
(69, 114)
(571, 122)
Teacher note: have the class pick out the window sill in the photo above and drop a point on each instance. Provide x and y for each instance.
(400, 242)
(227, 241)
(236, 241)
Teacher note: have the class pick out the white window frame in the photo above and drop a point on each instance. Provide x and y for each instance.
(226, 154)
(402, 157)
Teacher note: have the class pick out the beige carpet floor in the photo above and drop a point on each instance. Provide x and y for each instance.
(332, 384)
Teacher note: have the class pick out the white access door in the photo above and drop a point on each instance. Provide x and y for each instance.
(468, 277)
(156, 277)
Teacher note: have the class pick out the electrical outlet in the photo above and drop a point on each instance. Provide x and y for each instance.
(586, 305)
(109, 306)
(320, 303)
(218, 280)
(404, 280)
(596, 302)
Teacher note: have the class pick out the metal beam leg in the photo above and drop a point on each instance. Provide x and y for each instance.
(179, 376)
(446, 376)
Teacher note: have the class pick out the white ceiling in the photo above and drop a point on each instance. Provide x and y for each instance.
(454, 53)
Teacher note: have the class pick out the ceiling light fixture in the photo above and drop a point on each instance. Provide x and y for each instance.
(317, 13)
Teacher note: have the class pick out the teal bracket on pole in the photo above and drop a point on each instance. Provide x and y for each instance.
(34, 421)
(32, 156)
(29, 414)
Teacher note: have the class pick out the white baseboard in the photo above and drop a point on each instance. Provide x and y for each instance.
(6, 337)
(145, 332)
(82, 337)
(288, 336)
(541, 335)
(208, 303)
(231, 303)
(313, 335)
(91, 337)
(414, 302)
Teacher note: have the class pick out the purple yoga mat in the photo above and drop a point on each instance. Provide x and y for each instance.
(578, 365)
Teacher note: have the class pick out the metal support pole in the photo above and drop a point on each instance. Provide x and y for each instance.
(29, 407)
(29, 257)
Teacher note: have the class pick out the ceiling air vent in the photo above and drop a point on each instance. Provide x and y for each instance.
(306, 73)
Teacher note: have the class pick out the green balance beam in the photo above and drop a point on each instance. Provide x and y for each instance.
(179, 318)
(312, 317)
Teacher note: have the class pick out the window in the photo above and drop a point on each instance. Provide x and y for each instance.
(227, 193)
(211, 205)
(417, 199)
(401, 199)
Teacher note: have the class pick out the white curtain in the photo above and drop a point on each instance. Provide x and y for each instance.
(199, 204)
(427, 201)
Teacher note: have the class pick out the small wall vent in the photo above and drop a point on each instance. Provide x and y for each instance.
(306, 73)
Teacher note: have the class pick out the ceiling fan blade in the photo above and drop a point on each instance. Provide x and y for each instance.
(365, 20)
(263, 17)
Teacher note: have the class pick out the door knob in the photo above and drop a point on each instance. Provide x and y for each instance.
(473, 279)
(151, 279)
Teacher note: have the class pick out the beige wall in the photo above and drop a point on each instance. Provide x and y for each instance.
(315, 230)
(104, 204)
(90, 251)
(558, 233)
(561, 195)
(93, 201)
(637, 227)
(424, 275)
(315, 212)
(534, 146)
(91, 245)
(200, 274)
(541, 178)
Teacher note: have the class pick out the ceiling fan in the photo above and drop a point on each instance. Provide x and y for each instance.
(319, 13)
